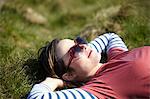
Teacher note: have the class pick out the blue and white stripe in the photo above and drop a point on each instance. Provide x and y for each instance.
(107, 41)
(39, 91)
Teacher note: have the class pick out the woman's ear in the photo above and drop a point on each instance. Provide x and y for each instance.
(68, 76)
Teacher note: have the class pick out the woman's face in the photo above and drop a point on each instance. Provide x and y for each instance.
(82, 61)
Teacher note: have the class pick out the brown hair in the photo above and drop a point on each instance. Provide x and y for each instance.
(53, 66)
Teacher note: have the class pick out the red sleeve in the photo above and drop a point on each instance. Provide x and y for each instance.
(114, 52)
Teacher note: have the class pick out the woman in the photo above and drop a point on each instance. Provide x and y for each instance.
(125, 75)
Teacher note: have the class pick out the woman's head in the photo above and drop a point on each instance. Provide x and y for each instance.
(49, 61)
(72, 60)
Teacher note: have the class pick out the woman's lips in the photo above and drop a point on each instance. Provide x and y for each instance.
(89, 53)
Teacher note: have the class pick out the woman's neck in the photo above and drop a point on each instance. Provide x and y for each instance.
(94, 70)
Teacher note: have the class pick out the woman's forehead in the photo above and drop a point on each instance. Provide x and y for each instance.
(63, 46)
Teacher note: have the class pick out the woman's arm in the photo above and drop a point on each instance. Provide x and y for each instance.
(45, 90)
(106, 42)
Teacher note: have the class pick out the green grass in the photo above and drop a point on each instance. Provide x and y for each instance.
(20, 38)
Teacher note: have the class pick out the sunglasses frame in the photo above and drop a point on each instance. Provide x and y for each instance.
(74, 49)
(77, 41)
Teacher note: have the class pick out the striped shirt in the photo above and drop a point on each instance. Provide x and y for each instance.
(41, 91)
(100, 44)
(107, 41)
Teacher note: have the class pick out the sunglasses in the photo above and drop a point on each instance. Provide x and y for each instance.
(75, 49)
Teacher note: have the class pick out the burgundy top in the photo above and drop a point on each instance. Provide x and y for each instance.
(126, 75)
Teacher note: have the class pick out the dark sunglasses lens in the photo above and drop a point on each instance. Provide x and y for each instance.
(77, 49)
(80, 40)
